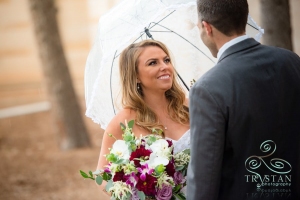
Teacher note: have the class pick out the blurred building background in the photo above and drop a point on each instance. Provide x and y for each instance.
(21, 78)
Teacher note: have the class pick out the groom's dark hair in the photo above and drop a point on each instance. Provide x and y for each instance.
(228, 16)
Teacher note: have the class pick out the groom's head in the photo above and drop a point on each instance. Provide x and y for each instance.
(228, 17)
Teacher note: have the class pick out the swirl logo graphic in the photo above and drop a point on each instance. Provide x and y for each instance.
(276, 165)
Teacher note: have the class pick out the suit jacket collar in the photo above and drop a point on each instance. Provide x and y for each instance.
(245, 44)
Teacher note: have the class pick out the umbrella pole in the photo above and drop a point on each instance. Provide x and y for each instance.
(183, 82)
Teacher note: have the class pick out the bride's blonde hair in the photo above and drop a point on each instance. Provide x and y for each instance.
(132, 96)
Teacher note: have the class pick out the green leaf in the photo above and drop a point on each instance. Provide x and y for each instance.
(128, 138)
(121, 161)
(130, 124)
(91, 173)
(184, 172)
(179, 168)
(109, 185)
(133, 146)
(141, 195)
(157, 131)
(178, 196)
(111, 158)
(99, 180)
(177, 188)
(128, 196)
(187, 151)
(160, 169)
(182, 196)
(106, 176)
(83, 174)
(151, 139)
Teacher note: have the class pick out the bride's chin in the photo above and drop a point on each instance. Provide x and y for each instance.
(167, 87)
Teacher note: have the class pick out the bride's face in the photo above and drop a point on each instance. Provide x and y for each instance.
(155, 70)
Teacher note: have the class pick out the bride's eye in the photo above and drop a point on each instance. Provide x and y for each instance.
(167, 60)
(152, 63)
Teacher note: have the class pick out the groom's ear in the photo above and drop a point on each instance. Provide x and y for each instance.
(207, 27)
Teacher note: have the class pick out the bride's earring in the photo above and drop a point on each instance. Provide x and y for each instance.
(138, 86)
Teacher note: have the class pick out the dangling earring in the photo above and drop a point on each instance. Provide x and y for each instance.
(138, 86)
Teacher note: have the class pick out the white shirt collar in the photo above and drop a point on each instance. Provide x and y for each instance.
(230, 43)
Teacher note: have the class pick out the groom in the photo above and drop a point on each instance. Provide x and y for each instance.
(245, 113)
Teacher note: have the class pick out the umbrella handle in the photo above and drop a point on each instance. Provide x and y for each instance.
(148, 33)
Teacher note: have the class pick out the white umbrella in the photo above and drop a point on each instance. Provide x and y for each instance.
(173, 22)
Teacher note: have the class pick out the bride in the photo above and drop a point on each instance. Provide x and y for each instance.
(151, 96)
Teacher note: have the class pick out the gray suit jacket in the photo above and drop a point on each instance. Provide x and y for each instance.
(245, 126)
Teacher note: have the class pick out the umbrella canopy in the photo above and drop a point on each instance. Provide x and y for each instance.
(173, 22)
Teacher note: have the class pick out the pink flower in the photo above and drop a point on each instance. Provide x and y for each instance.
(165, 193)
(131, 179)
(106, 169)
(144, 169)
(178, 178)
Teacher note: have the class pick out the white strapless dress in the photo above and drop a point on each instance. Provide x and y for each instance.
(183, 142)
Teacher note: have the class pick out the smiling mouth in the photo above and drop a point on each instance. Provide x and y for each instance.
(164, 77)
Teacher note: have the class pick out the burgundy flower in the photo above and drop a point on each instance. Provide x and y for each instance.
(119, 176)
(170, 168)
(165, 193)
(178, 178)
(139, 153)
(170, 143)
(147, 186)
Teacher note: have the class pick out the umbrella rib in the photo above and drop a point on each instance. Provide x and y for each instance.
(163, 31)
(252, 26)
(112, 100)
(185, 40)
(138, 38)
(160, 20)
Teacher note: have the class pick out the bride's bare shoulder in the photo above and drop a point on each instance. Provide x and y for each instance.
(122, 116)
(114, 126)
(126, 114)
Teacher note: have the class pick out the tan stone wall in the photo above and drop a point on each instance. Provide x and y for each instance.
(21, 78)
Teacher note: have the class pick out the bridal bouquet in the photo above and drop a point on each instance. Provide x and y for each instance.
(143, 168)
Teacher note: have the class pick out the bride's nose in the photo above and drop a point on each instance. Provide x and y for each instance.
(164, 66)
